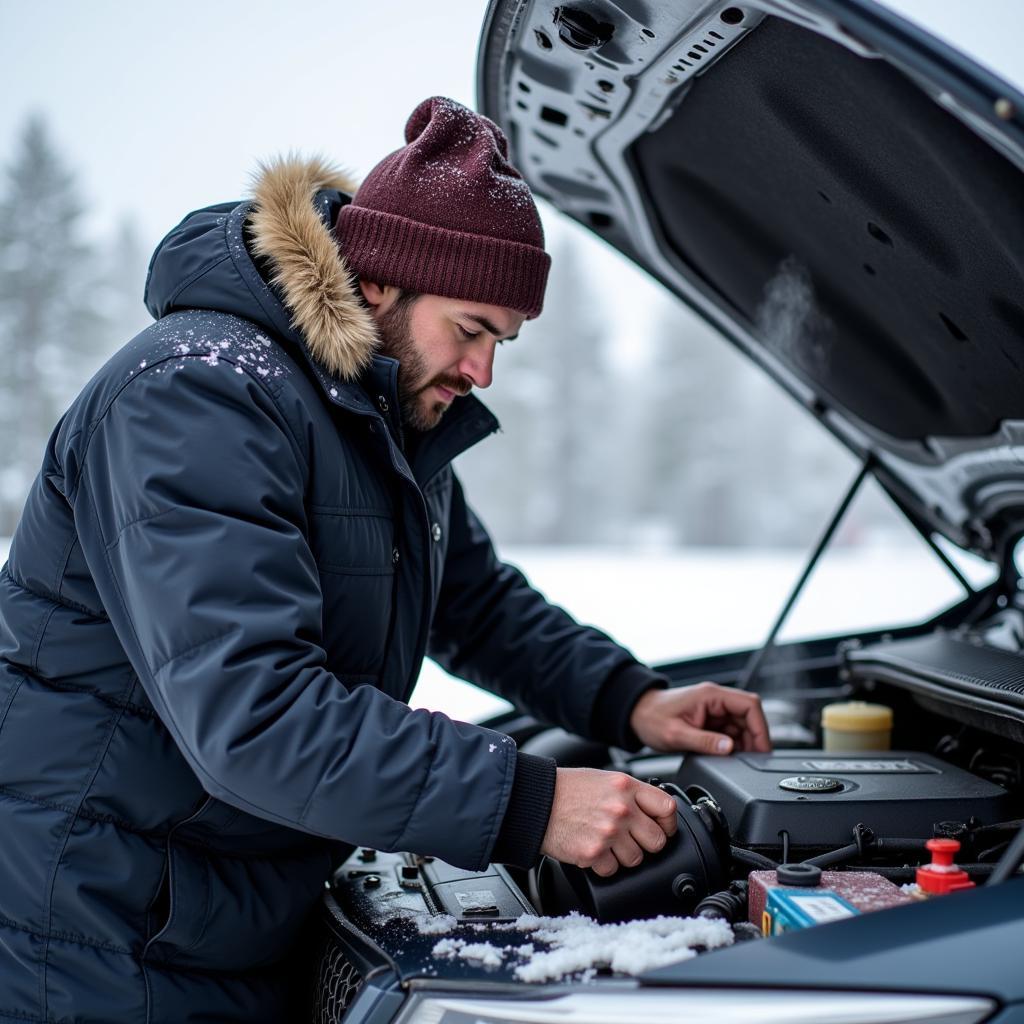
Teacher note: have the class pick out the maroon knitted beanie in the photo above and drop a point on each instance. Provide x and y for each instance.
(448, 215)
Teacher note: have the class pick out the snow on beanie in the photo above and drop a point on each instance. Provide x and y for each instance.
(447, 214)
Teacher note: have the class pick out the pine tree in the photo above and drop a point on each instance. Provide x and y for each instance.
(50, 325)
(545, 479)
(738, 463)
(123, 280)
(573, 423)
(690, 432)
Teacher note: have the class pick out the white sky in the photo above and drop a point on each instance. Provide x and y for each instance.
(164, 108)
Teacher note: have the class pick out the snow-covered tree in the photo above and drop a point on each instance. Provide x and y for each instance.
(732, 462)
(124, 275)
(689, 432)
(545, 479)
(58, 298)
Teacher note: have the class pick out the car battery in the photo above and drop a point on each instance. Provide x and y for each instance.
(863, 891)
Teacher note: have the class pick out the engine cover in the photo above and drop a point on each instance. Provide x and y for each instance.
(818, 796)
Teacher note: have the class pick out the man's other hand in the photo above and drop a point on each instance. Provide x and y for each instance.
(602, 820)
(706, 718)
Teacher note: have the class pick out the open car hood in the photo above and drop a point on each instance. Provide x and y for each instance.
(838, 192)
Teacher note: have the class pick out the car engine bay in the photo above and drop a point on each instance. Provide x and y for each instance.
(739, 817)
(766, 843)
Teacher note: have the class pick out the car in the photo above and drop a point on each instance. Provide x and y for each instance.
(730, 150)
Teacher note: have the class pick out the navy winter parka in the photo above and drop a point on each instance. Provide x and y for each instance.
(226, 576)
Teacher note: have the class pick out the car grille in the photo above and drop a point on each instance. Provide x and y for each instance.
(338, 981)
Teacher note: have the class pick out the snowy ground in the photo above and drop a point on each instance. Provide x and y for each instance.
(674, 603)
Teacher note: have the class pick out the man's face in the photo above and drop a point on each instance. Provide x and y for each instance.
(444, 347)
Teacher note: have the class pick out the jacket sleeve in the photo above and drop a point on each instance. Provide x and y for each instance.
(494, 629)
(190, 508)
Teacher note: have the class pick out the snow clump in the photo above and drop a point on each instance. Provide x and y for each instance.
(485, 953)
(579, 944)
(435, 924)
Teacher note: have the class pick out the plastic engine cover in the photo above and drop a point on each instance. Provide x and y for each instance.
(818, 796)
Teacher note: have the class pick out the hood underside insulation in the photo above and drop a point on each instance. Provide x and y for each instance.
(871, 239)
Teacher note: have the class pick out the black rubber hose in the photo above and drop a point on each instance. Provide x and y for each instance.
(884, 844)
(898, 843)
(985, 856)
(999, 826)
(844, 853)
(908, 874)
(751, 859)
(726, 905)
(784, 836)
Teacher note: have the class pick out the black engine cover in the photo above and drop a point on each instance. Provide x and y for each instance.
(818, 796)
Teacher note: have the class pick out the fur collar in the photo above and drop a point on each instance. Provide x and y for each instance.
(319, 290)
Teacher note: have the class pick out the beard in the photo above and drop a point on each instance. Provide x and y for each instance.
(418, 412)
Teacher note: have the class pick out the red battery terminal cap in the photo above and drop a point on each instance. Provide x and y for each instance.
(942, 875)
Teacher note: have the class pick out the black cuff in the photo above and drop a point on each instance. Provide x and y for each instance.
(609, 719)
(526, 817)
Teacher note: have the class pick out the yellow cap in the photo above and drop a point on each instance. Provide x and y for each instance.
(856, 716)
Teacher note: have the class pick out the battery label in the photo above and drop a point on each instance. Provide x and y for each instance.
(822, 908)
(787, 910)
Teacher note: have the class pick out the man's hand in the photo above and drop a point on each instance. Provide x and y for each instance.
(706, 718)
(602, 819)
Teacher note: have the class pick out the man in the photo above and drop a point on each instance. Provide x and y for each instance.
(245, 536)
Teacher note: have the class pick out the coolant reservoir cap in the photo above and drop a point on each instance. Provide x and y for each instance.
(856, 716)
(805, 875)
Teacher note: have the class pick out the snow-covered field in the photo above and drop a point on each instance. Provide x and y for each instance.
(673, 603)
(668, 604)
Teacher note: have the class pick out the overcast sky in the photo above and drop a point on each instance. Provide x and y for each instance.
(162, 108)
(166, 107)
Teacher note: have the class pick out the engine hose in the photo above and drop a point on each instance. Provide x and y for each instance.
(728, 905)
(986, 855)
(897, 845)
(999, 826)
(844, 853)
(854, 851)
(908, 874)
(751, 859)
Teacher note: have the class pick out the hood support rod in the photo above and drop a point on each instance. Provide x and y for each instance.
(753, 666)
(757, 658)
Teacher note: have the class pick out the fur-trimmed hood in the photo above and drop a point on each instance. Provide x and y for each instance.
(307, 267)
(207, 262)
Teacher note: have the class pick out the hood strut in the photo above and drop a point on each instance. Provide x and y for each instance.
(1010, 861)
(753, 666)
